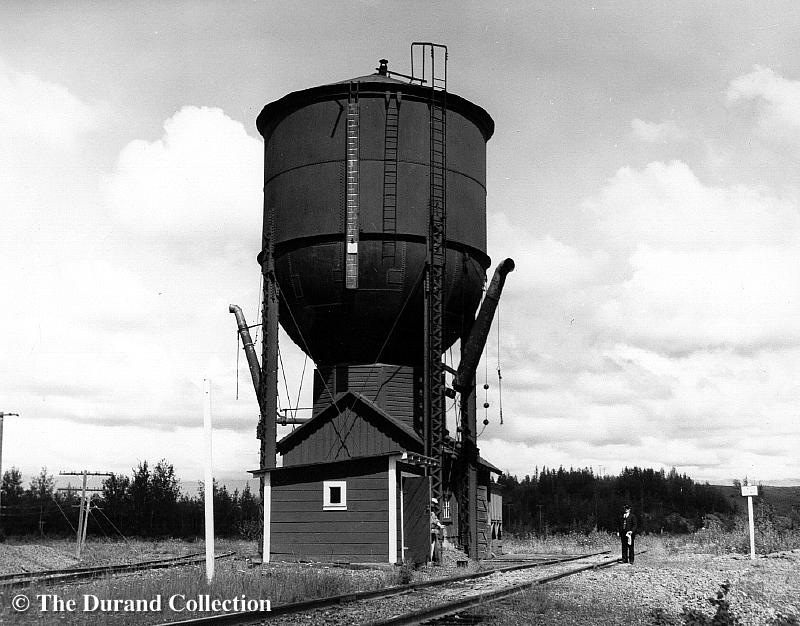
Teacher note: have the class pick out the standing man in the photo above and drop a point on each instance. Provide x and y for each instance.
(627, 533)
(436, 531)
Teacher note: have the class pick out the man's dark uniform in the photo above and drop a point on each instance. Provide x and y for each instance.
(627, 524)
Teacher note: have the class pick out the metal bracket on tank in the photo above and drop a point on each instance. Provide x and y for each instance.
(352, 162)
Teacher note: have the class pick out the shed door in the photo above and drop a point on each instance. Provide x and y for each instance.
(416, 519)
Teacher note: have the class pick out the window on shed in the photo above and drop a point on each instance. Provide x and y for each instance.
(334, 495)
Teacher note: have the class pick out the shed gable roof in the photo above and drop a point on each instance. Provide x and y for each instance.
(365, 409)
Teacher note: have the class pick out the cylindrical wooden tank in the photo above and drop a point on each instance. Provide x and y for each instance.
(311, 212)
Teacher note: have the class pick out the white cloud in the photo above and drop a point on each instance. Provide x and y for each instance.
(656, 132)
(777, 99)
(715, 414)
(679, 348)
(34, 110)
(685, 300)
(200, 181)
(666, 205)
(546, 263)
(103, 328)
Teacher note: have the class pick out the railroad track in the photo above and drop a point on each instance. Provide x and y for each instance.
(52, 577)
(415, 603)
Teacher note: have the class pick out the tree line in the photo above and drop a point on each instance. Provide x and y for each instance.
(560, 500)
(148, 503)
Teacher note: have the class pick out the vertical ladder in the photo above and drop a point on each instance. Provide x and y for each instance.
(390, 155)
(351, 225)
(437, 231)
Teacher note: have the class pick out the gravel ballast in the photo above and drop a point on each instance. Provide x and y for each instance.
(660, 589)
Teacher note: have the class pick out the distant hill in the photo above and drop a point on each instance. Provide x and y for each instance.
(781, 498)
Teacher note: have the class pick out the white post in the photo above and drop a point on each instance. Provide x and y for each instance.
(752, 528)
(392, 509)
(208, 490)
(266, 538)
(750, 491)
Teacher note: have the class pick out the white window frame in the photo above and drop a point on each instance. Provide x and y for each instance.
(327, 505)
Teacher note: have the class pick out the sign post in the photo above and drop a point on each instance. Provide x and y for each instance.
(749, 491)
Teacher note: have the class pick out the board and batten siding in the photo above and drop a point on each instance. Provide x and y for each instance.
(344, 436)
(390, 387)
(301, 529)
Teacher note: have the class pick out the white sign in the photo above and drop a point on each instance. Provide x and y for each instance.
(749, 490)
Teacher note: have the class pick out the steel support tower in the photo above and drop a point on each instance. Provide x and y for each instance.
(437, 251)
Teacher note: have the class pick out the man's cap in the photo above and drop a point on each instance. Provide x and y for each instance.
(627, 506)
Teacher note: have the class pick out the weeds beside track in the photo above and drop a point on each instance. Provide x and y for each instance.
(52, 577)
(362, 607)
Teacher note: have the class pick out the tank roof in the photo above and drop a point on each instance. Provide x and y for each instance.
(377, 83)
(373, 78)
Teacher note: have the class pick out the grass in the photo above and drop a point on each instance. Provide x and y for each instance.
(285, 583)
(234, 578)
(576, 543)
(716, 540)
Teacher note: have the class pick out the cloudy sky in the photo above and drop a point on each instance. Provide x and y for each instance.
(644, 176)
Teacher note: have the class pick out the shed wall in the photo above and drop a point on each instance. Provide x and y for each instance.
(301, 529)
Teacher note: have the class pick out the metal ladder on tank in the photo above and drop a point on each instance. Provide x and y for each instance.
(390, 155)
(351, 168)
(435, 420)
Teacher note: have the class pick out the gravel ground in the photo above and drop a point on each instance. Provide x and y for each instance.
(658, 589)
(33, 558)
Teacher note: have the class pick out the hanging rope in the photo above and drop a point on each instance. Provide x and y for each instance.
(237, 364)
(499, 373)
(285, 382)
(485, 390)
(258, 308)
(374, 371)
(299, 390)
(305, 344)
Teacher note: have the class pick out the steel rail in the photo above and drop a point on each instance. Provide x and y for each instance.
(245, 617)
(49, 577)
(449, 608)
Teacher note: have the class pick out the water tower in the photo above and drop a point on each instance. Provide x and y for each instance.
(374, 262)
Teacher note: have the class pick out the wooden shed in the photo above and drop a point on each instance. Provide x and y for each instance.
(353, 488)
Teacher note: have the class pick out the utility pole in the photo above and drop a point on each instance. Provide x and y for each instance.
(2, 415)
(83, 509)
